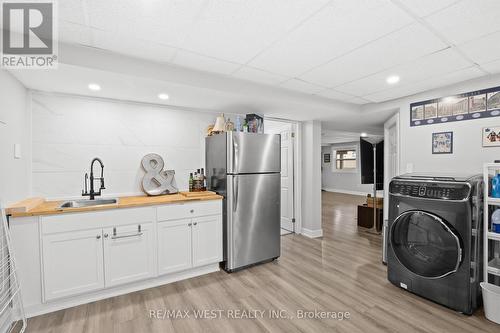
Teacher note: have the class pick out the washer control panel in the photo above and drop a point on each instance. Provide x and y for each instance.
(430, 190)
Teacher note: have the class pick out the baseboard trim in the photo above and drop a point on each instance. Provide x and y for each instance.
(312, 233)
(364, 194)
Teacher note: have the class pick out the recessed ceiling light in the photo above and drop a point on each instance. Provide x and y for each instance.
(94, 87)
(163, 96)
(393, 79)
(364, 135)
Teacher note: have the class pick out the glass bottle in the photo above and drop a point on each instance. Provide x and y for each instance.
(191, 182)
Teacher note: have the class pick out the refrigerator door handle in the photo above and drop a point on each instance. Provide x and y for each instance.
(235, 193)
(235, 155)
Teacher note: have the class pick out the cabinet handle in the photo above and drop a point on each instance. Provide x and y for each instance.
(190, 224)
(106, 235)
(98, 236)
(192, 211)
(127, 236)
(195, 223)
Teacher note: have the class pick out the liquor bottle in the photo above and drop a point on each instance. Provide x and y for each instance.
(245, 126)
(191, 182)
(203, 180)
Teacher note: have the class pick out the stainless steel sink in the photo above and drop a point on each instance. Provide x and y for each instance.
(88, 203)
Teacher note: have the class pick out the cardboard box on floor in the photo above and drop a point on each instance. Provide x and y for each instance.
(369, 202)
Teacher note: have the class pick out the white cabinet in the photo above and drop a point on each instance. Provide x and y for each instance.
(187, 243)
(174, 246)
(84, 252)
(129, 254)
(72, 263)
(207, 240)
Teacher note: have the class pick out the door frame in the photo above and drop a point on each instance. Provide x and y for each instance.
(393, 121)
(297, 170)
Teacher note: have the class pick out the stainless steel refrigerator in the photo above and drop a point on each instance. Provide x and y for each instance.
(245, 169)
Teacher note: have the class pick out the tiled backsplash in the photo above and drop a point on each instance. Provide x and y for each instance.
(68, 131)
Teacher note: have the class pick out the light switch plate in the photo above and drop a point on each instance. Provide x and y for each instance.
(17, 151)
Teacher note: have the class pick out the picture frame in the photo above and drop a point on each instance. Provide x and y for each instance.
(491, 136)
(326, 158)
(467, 106)
(442, 143)
(493, 100)
(430, 110)
(477, 103)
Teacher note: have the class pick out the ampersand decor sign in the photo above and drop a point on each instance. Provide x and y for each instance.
(156, 181)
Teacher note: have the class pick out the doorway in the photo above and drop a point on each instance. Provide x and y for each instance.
(287, 131)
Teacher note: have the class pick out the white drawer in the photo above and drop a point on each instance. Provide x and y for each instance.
(96, 219)
(189, 209)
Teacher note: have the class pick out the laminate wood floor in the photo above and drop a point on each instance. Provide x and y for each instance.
(341, 272)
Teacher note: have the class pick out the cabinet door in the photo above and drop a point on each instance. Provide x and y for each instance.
(72, 263)
(174, 246)
(207, 240)
(129, 254)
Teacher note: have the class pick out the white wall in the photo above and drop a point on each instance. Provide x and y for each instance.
(14, 129)
(68, 131)
(468, 154)
(311, 179)
(348, 181)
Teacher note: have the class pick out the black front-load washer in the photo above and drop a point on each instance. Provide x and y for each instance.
(434, 238)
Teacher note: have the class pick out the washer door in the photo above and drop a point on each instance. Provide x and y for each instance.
(425, 244)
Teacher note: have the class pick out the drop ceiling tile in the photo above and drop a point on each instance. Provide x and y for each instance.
(428, 84)
(492, 67)
(72, 11)
(166, 22)
(394, 49)
(117, 42)
(484, 49)
(334, 31)
(467, 20)
(301, 86)
(74, 33)
(358, 100)
(204, 63)
(333, 94)
(260, 76)
(433, 65)
(238, 30)
(425, 7)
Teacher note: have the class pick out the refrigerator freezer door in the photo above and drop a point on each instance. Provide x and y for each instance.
(253, 153)
(253, 219)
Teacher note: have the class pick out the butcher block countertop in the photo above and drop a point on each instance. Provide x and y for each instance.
(37, 206)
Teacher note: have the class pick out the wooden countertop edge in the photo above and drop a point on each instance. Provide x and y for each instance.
(52, 207)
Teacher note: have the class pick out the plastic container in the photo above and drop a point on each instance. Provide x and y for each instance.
(495, 221)
(495, 186)
(491, 301)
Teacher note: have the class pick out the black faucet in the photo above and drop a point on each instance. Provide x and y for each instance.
(92, 194)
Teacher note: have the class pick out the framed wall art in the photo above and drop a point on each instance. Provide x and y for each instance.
(491, 136)
(472, 105)
(442, 143)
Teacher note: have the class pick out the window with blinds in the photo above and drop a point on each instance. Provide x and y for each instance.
(346, 159)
